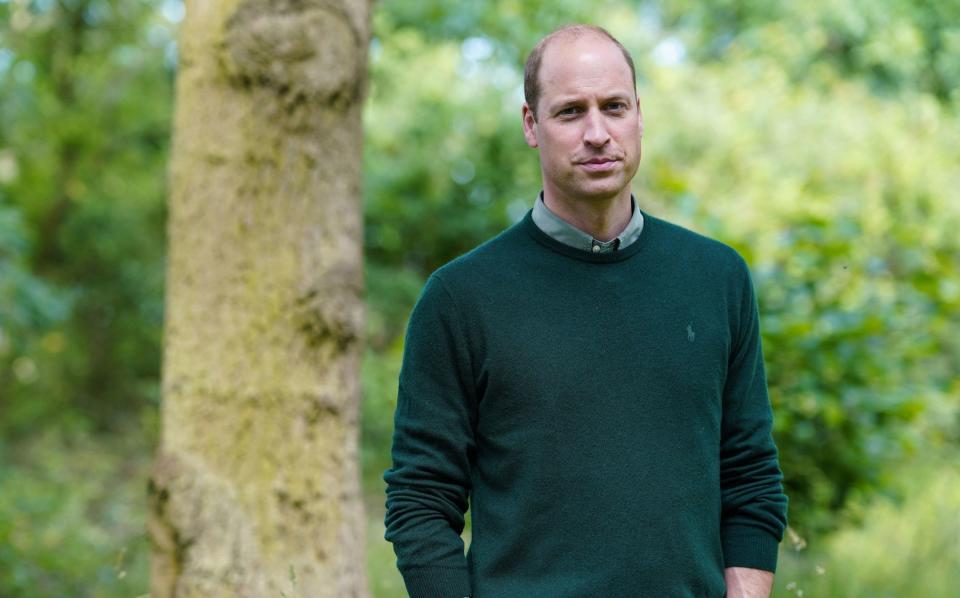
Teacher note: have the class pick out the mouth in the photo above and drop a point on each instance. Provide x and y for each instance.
(601, 164)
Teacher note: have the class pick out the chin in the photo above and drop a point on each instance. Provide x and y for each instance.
(598, 192)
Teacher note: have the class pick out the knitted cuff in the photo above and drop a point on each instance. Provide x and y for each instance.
(437, 582)
(747, 546)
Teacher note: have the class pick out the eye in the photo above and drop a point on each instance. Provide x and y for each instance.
(617, 106)
(569, 111)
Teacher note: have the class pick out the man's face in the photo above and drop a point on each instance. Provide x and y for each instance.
(588, 125)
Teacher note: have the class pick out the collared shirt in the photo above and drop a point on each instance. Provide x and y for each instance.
(566, 233)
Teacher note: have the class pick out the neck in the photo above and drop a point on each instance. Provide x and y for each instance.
(601, 218)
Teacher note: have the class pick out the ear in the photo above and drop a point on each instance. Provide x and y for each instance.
(640, 118)
(529, 126)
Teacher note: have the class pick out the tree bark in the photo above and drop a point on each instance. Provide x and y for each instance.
(255, 489)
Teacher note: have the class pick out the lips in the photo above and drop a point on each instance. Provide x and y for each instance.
(601, 164)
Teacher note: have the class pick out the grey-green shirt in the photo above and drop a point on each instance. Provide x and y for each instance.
(566, 233)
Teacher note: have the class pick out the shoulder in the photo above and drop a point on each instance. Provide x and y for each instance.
(694, 249)
(453, 292)
(485, 263)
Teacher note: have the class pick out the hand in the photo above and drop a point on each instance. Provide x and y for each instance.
(748, 583)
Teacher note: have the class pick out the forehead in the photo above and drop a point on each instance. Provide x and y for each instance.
(584, 63)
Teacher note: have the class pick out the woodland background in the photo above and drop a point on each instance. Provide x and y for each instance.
(820, 139)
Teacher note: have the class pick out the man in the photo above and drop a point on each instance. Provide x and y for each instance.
(591, 380)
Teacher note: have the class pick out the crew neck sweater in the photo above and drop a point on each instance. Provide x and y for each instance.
(604, 415)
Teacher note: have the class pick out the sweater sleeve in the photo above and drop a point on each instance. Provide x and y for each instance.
(754, 506)
(429, 483)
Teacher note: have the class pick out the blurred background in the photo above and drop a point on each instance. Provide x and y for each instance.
(821, 139)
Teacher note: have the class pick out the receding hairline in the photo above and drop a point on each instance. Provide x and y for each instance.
(567, 33)
(573, 32)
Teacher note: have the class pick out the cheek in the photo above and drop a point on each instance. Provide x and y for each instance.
(559, 146)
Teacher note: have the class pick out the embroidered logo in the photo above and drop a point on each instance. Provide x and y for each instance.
(691, 335)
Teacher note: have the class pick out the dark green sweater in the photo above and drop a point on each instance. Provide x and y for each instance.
(606, 415)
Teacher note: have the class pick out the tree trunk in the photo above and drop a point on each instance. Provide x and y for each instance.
(255, 491)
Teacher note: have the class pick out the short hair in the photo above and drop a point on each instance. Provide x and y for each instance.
(531, 71)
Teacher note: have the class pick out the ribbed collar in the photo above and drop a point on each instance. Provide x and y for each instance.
(610, 257)
(566, 233)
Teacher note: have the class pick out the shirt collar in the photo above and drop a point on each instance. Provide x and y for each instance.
(566, 233)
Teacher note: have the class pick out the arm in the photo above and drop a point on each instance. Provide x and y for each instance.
(428, 485)
(754, 506)
(748, 583)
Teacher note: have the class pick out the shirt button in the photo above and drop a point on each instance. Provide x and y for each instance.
(596, 249)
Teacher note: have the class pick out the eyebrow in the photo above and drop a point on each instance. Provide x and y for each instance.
(571, 100)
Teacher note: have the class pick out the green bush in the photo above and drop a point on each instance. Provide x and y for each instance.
(907, 546)
(72, 516)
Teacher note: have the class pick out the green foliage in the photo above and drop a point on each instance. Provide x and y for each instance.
(893, 45)
(905, 547)
(440, 156)
(382, 574)
(72, 515)
(85, 90)
(380, 372)
(28, 306)
(511, 27)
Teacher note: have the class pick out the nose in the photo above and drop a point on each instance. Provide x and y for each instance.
(595, 134)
